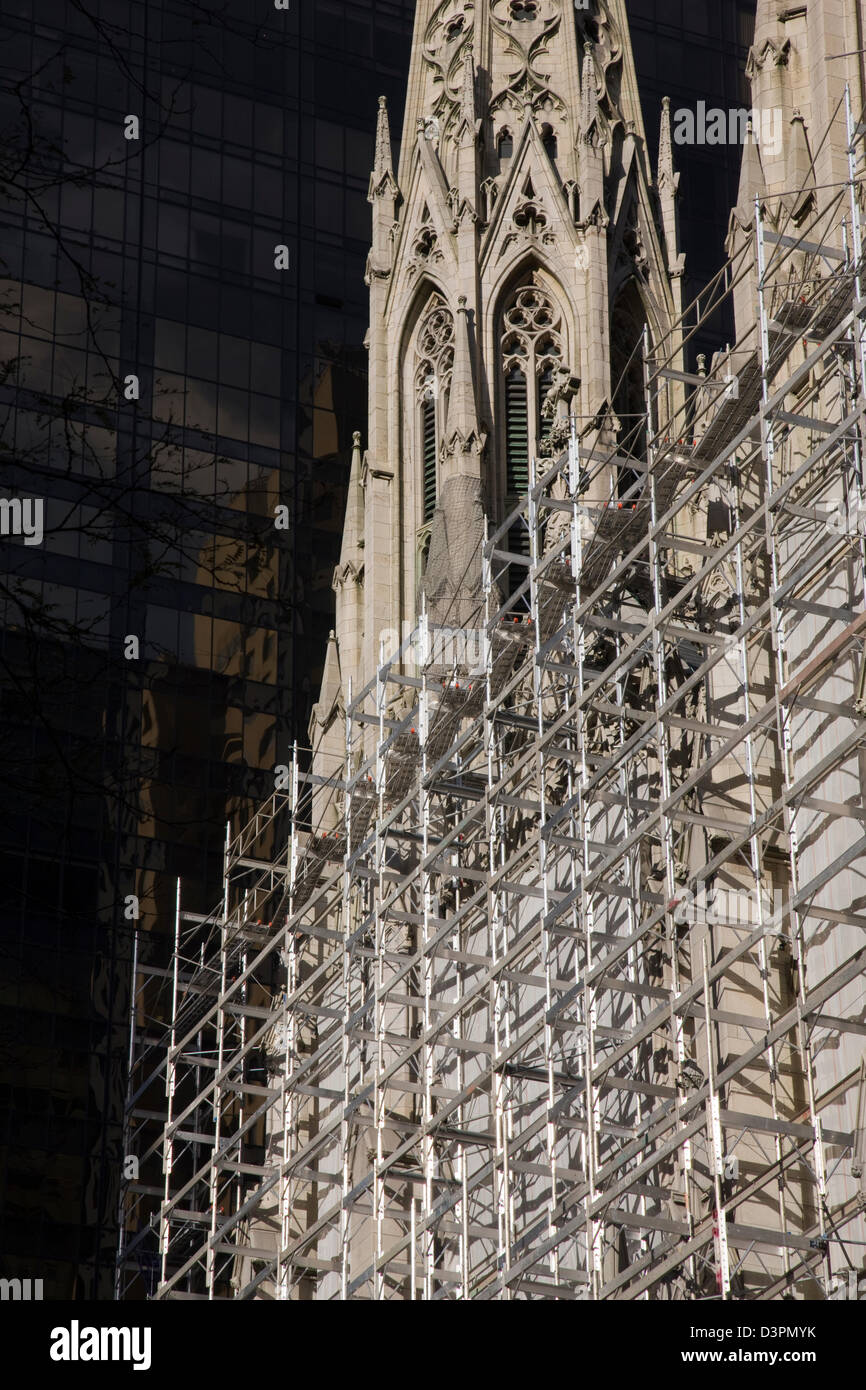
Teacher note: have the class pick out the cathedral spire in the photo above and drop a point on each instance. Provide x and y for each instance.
(668, 183)
(348, 583)
(523, 232)
(383, 194)
(588, 94)
(466, 169)
(353, 528)
(666, 173)
(383, 166)
(752, 184)
(799, 173)
(467, 101)
(462, 432)
(591, 172)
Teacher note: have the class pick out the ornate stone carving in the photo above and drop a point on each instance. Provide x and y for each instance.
(523, 76)
(447, 47)
(532, 332)
(434, 351)
(425, 248)
(776, 54)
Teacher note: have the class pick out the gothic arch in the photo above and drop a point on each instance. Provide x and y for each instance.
(533, 336)
(628, 319)
(512, 272)
(504, 145)
(425, 362)
(629, 267)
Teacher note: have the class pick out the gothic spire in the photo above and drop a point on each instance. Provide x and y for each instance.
(666, 152)
(353, 528)
(383, 166)
(467, 101)
(799, 173)
(752, 184)
(668, 182)
(383, 194)
(462, 432)
(588, 93)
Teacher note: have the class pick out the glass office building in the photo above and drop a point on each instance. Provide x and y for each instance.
(183, 235)
(169, 378)
(695, 51)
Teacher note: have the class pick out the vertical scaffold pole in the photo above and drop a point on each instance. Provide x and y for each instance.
(777, 632)
(123, 1215)
(859, 326)
(345, 1119)
(663, 753)
(427, 1147)
(378, 1089)
(289, 1025)
(755, 849)
(213, 1175)
(544, 868)
(170, 1086)
(714, 1127)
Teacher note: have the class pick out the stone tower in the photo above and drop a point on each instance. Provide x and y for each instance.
(798, 66)
(795, 173)
(568, 996)
(517, 256)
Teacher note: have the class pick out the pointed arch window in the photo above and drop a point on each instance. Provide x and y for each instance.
(531, 350)
(549, 141)
(434, 361)
(505, 144)
(628, 322)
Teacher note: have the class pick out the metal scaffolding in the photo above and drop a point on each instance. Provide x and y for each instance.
(572, 1004)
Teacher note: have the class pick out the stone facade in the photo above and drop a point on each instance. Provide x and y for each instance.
(523, 172)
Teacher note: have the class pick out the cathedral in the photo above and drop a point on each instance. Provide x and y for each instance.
(551, 950)
(518, 255)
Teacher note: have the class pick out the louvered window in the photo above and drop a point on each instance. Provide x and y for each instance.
(516, 434)
(434, 361)
(428, 421)
(531, 352)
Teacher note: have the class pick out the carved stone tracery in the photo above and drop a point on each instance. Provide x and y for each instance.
(532, 332)
(434, 351)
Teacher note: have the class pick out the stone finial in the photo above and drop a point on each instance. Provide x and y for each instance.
(467, 99)
(752, 183)
(588, 92)
(353, 527)
(799, 171)
(462, 421)
(666, 149)
(383, 164)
